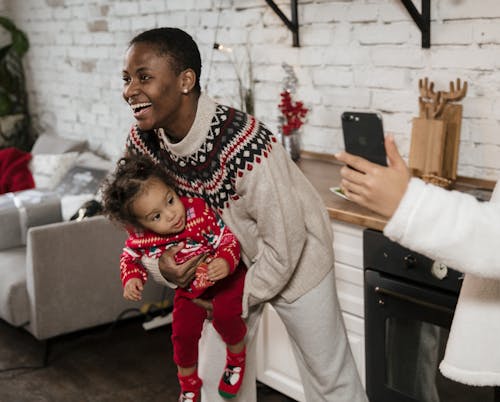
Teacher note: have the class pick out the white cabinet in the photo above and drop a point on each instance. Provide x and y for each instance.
(348, 247)
(276, 365)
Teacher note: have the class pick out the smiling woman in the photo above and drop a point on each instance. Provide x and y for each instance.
(157, 88)
(236, 165)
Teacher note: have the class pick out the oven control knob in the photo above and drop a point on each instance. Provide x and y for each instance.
(439, 270)
(410, 261)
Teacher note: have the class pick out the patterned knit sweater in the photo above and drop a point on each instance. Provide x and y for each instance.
(205, 232)
(234, 162)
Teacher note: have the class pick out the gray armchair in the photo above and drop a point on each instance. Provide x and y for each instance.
(66, 276)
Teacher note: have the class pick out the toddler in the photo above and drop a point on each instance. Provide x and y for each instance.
(141, 197)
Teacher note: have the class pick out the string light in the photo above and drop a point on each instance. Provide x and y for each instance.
(222, 48)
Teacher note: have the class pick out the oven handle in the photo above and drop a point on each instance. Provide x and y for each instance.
(414, 300)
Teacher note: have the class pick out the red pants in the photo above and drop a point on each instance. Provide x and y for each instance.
(188, 318)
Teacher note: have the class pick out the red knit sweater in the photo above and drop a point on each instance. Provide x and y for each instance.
(205, 232)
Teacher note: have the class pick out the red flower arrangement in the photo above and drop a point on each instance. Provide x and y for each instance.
(294, 113)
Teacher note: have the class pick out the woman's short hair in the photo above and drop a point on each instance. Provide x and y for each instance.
(178, 46)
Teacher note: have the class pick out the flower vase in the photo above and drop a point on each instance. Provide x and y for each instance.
(291, 143)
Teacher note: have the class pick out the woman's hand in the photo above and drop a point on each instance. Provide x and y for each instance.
(133, 289)
(373, 186)
(217, 269)
(179, 274)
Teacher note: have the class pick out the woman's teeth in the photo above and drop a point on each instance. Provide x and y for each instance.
(139, 106)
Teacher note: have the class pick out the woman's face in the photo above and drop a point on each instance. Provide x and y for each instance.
(151, 88)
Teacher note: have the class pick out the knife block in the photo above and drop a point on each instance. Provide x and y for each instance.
(435, 142)
(427, 146)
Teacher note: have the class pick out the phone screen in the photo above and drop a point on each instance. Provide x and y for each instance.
(364, 136)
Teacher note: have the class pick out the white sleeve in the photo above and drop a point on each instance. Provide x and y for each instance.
(152, 265)
(450, 227)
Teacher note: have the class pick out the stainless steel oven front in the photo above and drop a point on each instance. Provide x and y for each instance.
(409, 306)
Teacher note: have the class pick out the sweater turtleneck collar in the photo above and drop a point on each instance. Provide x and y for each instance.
(197, 133)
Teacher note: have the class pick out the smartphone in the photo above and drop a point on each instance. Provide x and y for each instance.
(364, 136)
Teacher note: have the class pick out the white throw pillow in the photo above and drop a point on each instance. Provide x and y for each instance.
(71, 203)
(49, 169)
(91, 160)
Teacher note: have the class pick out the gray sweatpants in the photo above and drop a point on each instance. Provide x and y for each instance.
(319, 341)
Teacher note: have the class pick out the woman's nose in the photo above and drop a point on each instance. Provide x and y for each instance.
(130, 90)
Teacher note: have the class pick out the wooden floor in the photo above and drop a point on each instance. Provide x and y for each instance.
(107, 364)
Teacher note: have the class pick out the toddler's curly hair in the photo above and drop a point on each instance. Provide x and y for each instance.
(121, 188)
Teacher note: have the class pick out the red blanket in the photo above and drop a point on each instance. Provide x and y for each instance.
(15, 174)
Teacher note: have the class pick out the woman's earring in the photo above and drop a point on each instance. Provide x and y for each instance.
(185, 90)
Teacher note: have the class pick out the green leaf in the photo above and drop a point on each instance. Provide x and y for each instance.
(5, 104)
(7, 24)
(20, 43)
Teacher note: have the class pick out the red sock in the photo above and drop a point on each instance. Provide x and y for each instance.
(190, 387)
(232, 378)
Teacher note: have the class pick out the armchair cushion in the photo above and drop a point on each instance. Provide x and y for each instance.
(14, 303)
(22, 210)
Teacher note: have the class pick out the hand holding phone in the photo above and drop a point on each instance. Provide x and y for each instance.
(364, 136)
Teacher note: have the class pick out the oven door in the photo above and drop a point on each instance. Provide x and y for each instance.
(406, 330)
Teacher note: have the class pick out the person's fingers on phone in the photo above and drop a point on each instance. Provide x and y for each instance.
(393, 156)
(354, 162)
(353, 196)
(361, 175)
(355, 192)
(402, 173)
(350, 174)
(352, 190)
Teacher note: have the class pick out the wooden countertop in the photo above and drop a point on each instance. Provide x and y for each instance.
(323, 171)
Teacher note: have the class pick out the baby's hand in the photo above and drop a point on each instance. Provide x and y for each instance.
(133, 289)
(217, 269)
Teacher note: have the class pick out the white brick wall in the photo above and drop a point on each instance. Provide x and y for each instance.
(4, 36)
(361, 54)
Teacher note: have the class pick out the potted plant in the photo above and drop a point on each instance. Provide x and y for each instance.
(15, 128)
(293, 114)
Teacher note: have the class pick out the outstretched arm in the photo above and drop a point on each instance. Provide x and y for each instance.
(447, 226)
(373, 186)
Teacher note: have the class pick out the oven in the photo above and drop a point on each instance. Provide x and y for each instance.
(409, 306)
